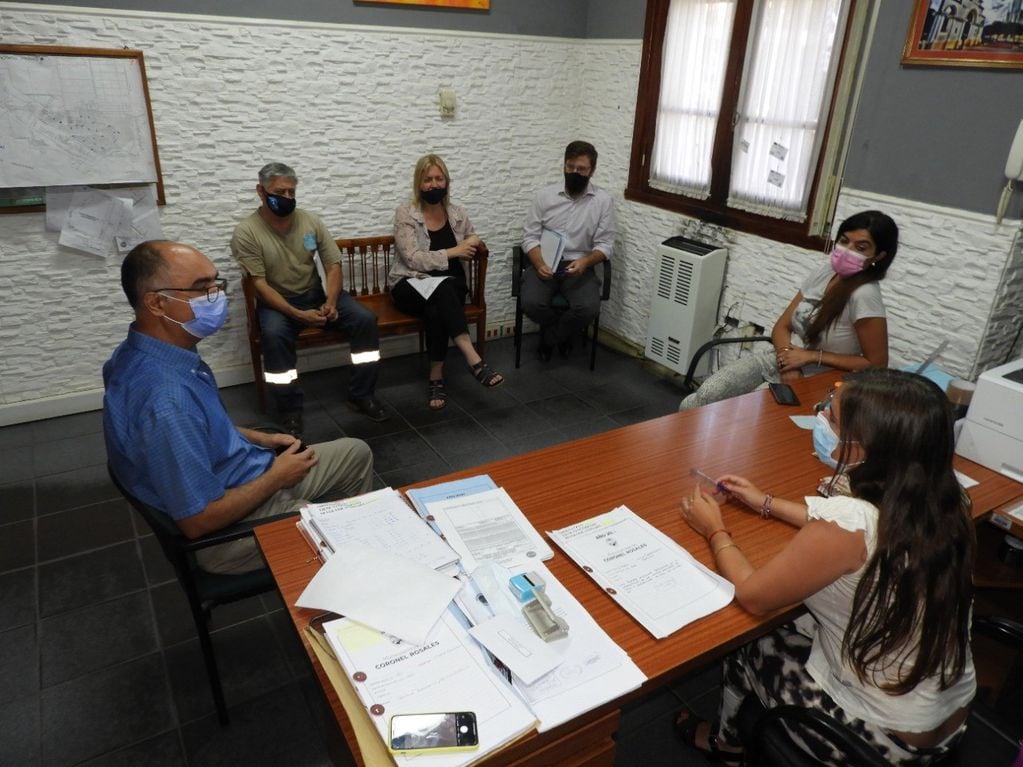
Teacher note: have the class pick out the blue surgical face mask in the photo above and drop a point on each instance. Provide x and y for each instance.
(209, 315)
(824, 440)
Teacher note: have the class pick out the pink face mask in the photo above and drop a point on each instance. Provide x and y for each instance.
(846, 263)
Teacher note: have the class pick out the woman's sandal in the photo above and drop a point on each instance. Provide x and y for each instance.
(489, 378)
(685, 728)
(437, 393)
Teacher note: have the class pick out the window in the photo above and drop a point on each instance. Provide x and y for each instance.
(737, 118)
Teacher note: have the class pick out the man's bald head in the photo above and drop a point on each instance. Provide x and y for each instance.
(149, 264)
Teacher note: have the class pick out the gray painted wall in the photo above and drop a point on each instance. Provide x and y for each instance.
(932, 134)
(558, 18)
(615, 19)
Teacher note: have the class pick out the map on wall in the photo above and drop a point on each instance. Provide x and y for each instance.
(74, 119)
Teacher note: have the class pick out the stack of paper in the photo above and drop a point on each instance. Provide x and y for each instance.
(379, 520)
(552, 246)
(646, 572)
(489, 526)
(448, 673)
(459, 488)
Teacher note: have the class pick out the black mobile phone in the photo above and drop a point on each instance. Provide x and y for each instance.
(301, 448)
(433, 733)
(783, 394)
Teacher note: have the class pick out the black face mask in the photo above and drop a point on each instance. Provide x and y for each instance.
(575, 183)
(433, 196)
(280, 206)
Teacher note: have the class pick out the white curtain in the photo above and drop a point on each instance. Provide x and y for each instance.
(695, 54)
(785, 95)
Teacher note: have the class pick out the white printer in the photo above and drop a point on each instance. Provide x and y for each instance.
(992, 433)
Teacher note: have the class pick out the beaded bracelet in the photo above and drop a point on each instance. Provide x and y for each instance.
(765, 507)
(719, 530)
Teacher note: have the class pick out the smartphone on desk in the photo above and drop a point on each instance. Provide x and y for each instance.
(783, 394)
(433, 733)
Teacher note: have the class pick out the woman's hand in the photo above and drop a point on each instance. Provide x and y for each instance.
(791, 360)
(743, 489)
(702, 512)
(466, 249)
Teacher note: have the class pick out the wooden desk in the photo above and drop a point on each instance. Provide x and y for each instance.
(645, 467)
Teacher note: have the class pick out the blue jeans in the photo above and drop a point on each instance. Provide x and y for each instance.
(278, 332)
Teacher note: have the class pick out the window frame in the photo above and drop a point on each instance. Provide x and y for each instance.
(714, 209)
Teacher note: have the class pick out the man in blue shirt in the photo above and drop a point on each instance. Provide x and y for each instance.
(581, 215)
(169, 438)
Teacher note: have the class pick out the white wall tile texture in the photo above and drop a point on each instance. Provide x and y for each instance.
(351, 108)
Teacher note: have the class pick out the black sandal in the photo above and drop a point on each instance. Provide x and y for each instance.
(436, 393)
(686, 725)
(489, 378)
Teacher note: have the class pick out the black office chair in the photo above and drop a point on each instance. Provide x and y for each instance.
(519, 264)
(204, 590)
(770, 745)
(688, 384)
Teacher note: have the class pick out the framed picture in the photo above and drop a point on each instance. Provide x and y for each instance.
(965, 33)
(475, 5)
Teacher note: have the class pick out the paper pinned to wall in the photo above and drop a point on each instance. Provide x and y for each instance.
(778, 151)
(91, 219)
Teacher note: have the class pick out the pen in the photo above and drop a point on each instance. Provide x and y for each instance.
(718, 486)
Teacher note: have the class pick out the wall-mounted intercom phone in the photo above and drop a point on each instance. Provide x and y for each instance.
(1013, 171)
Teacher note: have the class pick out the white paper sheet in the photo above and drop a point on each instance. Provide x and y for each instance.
(489, 526)
(552, 245)
(964, 481)
(145, 220)
(646, 572)
(425, 286)
(93, 219)
(381, 520)
(382, 590)
(448, 673)
(58, 200)
(519, 648)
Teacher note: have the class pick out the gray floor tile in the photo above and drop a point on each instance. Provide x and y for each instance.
(419, 472)
(512, 423)
(457, 438)
(655, 745)
(354, 424)
(319, 426)
(474, 398)
(15, 464)
(17, 545)
(79, 642)
(105, 710)
(19, 664)
(81, 487)
(68, 454)
(18, 598)
(563, 410)
(535, 442)
(17, 435)
(242, 404)
(698, 684)
(17, 501)
(162, 751)
(250, 662)
(610, 398)
(640, 414)
(86, 579)
(158, 568)
(410, 401)
(19, 723)
(528, 384)
(87, 527)
(588, 428)
(397, 450)
(254, 737)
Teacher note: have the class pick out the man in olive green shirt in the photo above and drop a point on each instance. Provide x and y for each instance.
(275, 246)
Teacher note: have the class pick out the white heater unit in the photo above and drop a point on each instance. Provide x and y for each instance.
(683, 311)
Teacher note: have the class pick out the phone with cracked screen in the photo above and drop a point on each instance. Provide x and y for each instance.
(783, 394)
(433, 733)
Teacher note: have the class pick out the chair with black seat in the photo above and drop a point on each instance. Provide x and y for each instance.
(768, 743)
(204, 590)
(519, 264)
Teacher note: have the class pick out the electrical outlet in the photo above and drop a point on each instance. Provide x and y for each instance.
(731, 322)
(758, 330)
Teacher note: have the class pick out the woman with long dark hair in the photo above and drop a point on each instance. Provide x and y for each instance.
(838, 314)
(886, 575)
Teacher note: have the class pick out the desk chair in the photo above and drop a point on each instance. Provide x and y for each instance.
(519, 265)
(688, 385)
(204, 590)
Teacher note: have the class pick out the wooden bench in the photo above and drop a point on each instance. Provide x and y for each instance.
(365, 264)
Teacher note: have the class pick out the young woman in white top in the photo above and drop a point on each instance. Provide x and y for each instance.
(838, 313)
(885, 574)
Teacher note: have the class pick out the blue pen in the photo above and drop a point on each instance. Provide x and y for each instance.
(718, 486)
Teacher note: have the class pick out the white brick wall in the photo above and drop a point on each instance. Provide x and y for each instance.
(352, 108)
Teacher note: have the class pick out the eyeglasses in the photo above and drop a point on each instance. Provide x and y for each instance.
(211, 292)
(825, 404)
(582, 170)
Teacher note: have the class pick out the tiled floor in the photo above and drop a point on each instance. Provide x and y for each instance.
(99, 664)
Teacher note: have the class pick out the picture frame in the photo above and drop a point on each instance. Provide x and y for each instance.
(965, 33)
(471, 5)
